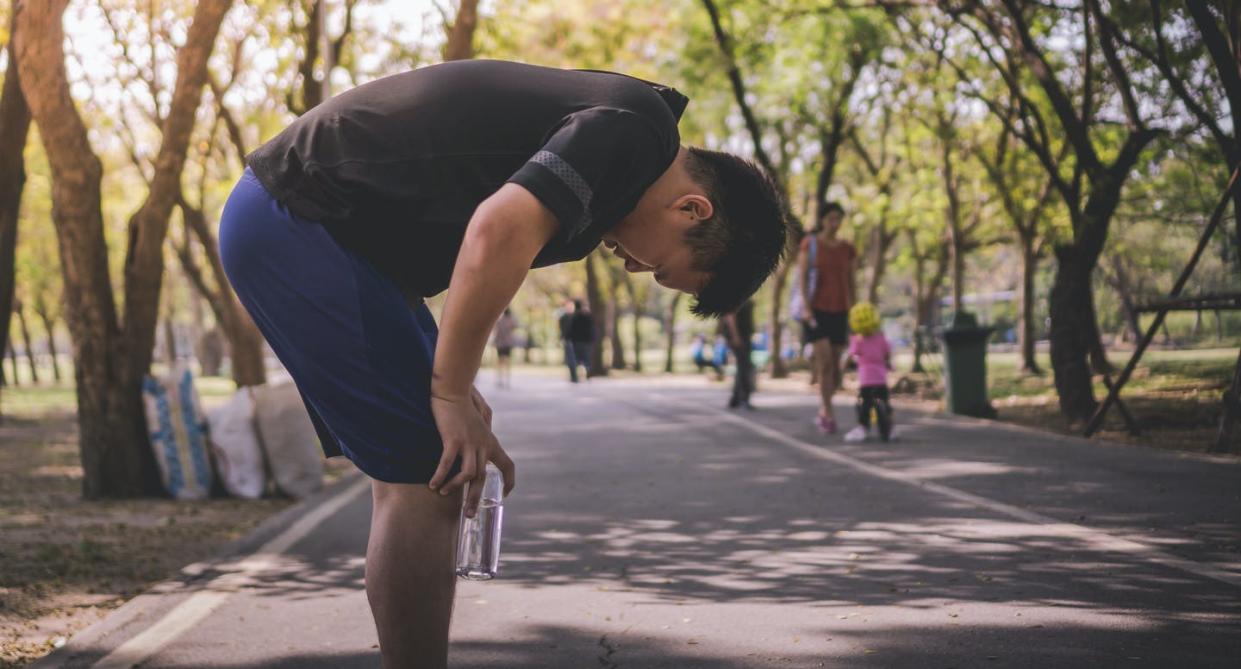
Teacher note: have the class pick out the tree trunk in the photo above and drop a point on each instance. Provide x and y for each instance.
(13, 358)
(21, 326)
(14, 128)
(245, 342)
(209, 350)
(49, 326)
(637, 331)
(1072, 313)
(598, 308)
(953, 215)
(1025, 319)
(882, 241)
(1125, 289)
(1099, 364)
(670, 332)
(919, 281)
(636, 305)
(197, 330)
(116, 454)
(779, 369)
(924, 314)
(245, 346)
(312, 89)
(148, 227)
(170, 343)
(460, 44)
(613, 320)
(529, 341)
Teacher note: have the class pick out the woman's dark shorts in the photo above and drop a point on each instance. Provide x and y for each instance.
(360, 355)
(830, 325)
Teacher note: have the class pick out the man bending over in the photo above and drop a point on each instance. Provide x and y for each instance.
(462, 177)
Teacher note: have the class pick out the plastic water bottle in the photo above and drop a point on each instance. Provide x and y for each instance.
(478, 545)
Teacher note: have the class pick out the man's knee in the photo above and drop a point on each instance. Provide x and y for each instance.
(414, 502)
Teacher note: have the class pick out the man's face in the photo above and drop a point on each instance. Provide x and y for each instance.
(654, 240)
(666, 254)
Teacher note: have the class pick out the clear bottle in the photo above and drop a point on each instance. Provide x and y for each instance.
(478, 544)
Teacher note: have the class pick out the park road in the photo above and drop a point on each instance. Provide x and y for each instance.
(651, 528)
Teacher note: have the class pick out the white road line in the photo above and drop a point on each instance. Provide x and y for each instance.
(1096, 539)
(241, 572)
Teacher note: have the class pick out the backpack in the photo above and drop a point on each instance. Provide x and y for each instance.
(812, 269)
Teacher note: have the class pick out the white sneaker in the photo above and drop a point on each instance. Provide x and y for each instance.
(858, 433)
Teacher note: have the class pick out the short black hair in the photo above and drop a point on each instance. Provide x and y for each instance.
(829, 207)
(747, 235)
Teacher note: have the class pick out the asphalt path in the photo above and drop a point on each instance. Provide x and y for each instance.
(652, 527)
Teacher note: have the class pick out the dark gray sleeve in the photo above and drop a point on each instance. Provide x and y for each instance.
(597, 162)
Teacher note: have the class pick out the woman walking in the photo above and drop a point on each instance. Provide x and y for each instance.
(826, 273)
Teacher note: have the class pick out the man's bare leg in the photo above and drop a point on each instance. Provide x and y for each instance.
(409, 573)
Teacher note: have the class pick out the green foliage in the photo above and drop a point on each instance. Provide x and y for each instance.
(893, 76)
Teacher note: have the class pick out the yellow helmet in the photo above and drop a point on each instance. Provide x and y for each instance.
(864, 318)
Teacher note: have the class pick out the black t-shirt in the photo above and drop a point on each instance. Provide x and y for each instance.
(582, 328)
(395, 168)
(745, 321)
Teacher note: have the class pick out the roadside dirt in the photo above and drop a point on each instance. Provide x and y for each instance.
(65, 562)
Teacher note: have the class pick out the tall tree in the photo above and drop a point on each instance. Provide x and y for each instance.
(197, 243)
(882, 172)
(14, 126)
(1025, 194)
(670, 332)
(598, 313)
(460, 44)
(320, 52)
(1058, 98)
(20, 312)
(112, 354)
(843, 44)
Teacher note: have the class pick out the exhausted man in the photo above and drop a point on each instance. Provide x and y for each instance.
(462, 177)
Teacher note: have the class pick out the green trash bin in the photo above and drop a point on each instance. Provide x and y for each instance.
(965, 366)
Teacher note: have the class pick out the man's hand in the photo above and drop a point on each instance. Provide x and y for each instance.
(807, 315)
(484, 409)
(466, 431)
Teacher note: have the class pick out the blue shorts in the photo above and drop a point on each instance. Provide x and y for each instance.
(360, 355)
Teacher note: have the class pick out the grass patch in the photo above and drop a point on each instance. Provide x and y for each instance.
(1174, 395)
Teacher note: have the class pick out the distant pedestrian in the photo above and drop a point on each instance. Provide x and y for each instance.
(577, 331)
(739, 327)
(826, 271)
(703, 359)
(505, 338)
(719, 351)
(869, 348)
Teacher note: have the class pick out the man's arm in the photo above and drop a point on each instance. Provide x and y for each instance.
(853, 268)
(504, 235)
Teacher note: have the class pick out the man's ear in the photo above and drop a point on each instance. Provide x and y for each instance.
(698, 207)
